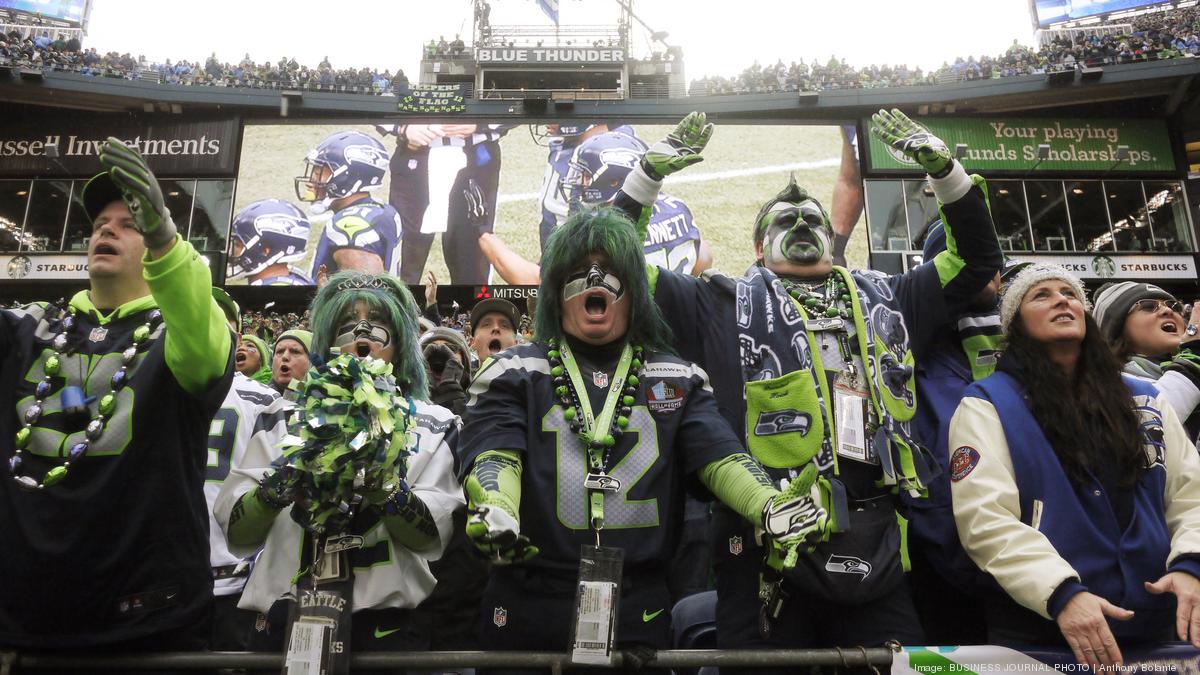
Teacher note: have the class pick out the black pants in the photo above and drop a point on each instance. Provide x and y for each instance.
(409, 195)
(948, 616)
(231, 627)
(188, 639)
(529, 609)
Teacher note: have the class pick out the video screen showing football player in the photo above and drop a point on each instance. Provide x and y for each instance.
(363, 234)
(562, 139)
(266, 237)
(594, 176)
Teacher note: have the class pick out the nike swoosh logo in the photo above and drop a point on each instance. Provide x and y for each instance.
(385, 633)
(647, 617)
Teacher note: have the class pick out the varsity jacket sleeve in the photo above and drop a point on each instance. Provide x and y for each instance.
(199, 349)
(987, 511)
(1180, 391)
(1182, 497)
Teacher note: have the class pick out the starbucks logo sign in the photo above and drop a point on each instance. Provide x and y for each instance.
(19, 267)
(1104, 267)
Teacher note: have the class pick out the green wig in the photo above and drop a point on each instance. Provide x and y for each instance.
(607, 231)
(792, 194)
(263, 374)
(381, 292)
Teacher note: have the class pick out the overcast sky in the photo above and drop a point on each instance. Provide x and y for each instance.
(717, 38)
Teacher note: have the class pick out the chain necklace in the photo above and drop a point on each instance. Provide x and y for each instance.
(105, 408)
(830, 299)
(598, 443)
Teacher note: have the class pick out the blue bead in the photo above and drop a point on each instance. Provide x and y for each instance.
(32, 413)
(68, 322)
(42, 390)
(154, 315)
(128, 355)
(77, 451)
(60, 342)
(14, 464)
(94, 429)
(118, 379)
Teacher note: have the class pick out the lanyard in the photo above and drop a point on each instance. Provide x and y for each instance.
(595, 427)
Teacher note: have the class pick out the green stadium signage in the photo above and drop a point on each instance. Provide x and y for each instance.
(433, 98)
(1012, 144)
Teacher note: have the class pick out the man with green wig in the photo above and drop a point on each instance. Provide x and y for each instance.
(813, 365)
(399, 525)
(589, 437)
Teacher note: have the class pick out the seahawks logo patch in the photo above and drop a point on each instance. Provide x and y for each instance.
(782, 422)
(848, 564)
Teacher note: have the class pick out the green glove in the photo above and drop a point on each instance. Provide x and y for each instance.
(795, 518)
(914, 140)
(680, 149)
(497, 533)
(140, 190)
(1186, 361)
(278, 488)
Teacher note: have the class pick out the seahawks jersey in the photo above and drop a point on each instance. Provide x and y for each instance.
(292, 278)
(672, 238)
(674, 430)
(118, 549)
(227, 438)
(554, 203)
(385, 574)
(366, 225)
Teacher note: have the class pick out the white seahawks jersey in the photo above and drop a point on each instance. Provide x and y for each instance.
(227, 438)
(385, 574)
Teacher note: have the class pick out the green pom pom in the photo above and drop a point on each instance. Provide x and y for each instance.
(556, 371)
(622, 421)
(633, 381)
(55, 475)
(609, 441)
(628, 400)
(52, 365)
(568, 414)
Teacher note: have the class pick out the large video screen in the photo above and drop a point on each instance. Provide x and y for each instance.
(66, 10)
(1048, 12)
(472, 203)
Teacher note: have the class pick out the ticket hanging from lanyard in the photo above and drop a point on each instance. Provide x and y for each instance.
(597, 596)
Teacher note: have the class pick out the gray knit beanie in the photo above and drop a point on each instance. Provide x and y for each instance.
(1014, 292)
(1114, 300)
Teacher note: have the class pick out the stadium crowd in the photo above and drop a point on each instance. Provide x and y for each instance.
(1153, 36)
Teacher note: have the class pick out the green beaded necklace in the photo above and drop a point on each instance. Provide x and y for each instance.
(64, 322)
(834, 301)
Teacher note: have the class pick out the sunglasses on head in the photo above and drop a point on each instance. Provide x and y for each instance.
(1152, 305)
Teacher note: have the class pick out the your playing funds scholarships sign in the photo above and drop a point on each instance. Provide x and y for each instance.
(1011, 144)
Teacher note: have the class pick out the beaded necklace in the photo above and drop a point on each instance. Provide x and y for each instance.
(65, 321)
(830, 299)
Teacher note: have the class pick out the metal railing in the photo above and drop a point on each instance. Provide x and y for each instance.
(874, 657)
(555, 94)
(27, 31)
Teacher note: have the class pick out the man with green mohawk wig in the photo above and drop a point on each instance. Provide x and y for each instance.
(813, 366)
(362, 326)
(589, 437)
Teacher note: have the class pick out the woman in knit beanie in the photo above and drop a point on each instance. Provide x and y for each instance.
(1148, 331)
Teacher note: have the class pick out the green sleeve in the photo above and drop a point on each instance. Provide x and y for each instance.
(413, 527)
(741, 484)
(250, 520)
(198, 339)
(495, 480)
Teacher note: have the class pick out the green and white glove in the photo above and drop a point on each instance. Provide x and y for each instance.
(140, 190)
(496, 532)
(680, 149)
(794, 518)
(914, 140)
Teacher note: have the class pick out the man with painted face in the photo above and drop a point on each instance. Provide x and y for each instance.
(374, 316)
(592, 433)
(813, 365)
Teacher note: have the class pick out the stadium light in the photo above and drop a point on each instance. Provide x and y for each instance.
(1060, 77)
(1122, 153)
(1043, 151)
(32, 74)
(808, 97)
(1091, 74)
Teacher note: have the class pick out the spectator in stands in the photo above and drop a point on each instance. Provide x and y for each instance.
(102, 514)
(494, 324)
(252, 359)
(290, 360)
(1075, 487)
(1146, 328)
(368, 316)
(448, 363)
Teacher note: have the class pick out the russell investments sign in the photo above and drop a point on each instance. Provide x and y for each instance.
(1011, 144)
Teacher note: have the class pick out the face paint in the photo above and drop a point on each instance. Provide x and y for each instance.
(373, 332)
(594, 276)
(796, 233)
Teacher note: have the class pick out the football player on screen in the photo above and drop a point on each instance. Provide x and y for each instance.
(562, 140)
(363, 234)
(267, 235)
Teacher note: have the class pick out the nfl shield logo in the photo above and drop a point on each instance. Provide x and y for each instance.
(98, 334)
(260, 623)
(735, 545)
(500, 617)
(600, 378)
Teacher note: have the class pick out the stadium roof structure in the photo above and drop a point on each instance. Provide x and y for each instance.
(1160, 89)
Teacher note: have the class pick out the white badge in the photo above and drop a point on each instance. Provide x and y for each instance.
(309, 637)
(850, 406)
(594, 623)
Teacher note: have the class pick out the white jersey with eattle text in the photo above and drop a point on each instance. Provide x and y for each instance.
(228, 435)
(402, 580)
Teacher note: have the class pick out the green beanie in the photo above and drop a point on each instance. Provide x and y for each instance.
(263, 374)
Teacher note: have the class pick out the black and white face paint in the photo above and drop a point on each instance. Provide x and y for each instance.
(594, 276)
(796, 233)
(363, 330)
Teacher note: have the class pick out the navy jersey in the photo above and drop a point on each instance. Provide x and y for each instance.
(366, 225)
(292, 278)
(554, 203)
(672, 238)
(674, 430)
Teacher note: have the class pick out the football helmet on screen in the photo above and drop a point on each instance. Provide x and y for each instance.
(265, 233)
(352, 162)
(599, 167)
